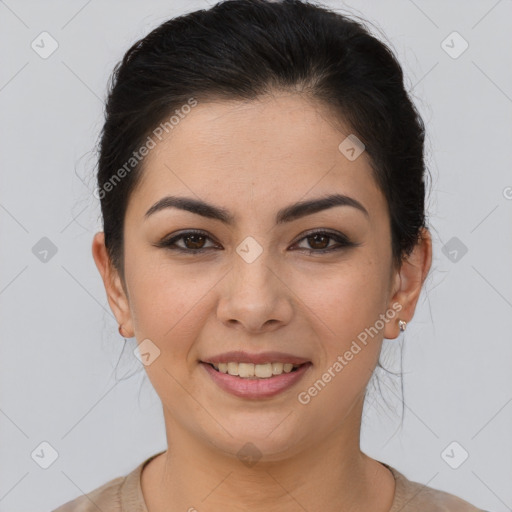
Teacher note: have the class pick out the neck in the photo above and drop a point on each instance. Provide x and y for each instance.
(330, 475)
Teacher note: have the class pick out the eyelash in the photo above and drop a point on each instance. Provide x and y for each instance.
(341, 239)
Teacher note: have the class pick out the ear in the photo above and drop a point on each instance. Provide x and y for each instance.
(408, 282)
(116, 294)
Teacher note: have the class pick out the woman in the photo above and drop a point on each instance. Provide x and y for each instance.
(261, 178)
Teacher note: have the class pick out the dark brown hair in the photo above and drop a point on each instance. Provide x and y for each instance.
(241, 49)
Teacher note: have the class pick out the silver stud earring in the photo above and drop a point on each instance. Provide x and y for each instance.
(402, 325)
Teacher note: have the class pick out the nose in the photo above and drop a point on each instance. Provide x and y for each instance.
(254, 297)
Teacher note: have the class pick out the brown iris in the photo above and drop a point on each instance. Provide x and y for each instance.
(195, 243)
(316, 236)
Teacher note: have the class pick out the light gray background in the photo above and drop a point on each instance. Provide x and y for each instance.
(59, 346)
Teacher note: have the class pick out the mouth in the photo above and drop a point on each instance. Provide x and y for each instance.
(249, 381)
(254, 371)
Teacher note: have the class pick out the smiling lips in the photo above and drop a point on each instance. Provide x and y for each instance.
(240, 356)
(260, 366)
(258, 371)
(255, 387)
(255, 375)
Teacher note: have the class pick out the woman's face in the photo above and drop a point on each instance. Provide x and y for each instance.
(255, 287)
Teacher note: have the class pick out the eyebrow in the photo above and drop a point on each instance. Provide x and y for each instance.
(287, 214)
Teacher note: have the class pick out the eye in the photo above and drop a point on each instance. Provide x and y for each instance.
(319, 241)
(194, 242)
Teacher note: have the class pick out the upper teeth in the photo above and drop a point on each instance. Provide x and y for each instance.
(263, 371)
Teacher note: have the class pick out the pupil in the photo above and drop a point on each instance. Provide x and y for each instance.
(187, 238)
(315, 237)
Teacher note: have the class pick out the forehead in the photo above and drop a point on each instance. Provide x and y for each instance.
(273, 150)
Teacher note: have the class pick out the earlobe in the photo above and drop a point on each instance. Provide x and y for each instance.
(409, 281)
(112, 282)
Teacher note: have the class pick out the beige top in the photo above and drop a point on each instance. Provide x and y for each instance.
(124, 494)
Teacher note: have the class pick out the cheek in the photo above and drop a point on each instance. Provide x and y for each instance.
(166, 300)
(169, 306)
(346, 303)
(349, 294)
(345, 309)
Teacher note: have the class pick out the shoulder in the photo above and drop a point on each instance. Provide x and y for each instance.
(121, 494)
(105, 497)
(412, 496)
